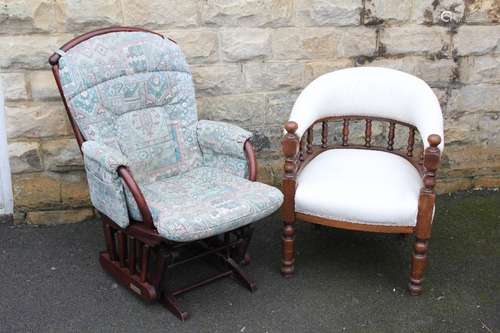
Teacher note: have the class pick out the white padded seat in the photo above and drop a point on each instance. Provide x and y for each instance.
(359, 186)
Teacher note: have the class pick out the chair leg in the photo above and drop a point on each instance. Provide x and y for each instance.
(170, 302)
(239, 275)
(240, 254)
(288, 255)
(418, 263)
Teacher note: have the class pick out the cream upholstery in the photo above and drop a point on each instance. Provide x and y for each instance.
(370, 91)
(359, 186)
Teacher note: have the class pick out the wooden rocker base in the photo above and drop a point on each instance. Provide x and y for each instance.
(140, 263)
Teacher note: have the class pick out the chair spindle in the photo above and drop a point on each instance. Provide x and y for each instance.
(301, 149)
(368, 133)
(392, 131)
(110, 241)
(309, 140)
(345, 132)
(324, 134)
(144, 262)
(121, 247)
(131, 255)
(411, 142)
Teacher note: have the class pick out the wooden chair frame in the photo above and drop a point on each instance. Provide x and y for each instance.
(299, 152)
(137, 256)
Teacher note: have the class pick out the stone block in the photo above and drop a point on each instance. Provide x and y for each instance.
(198, 46)
(25, 157)
(218, 79)
(477, 40)
(36, 120)
(475, 98)
(31, 52)
(62, 155)
(246, 44)
(29, 16)
(14, 86)
(55, 217)
(36, 190)
(246, 13)
(328, 12)
(315, 69)
(429, 11)
(378, 11)
(74, 189)
(415, 39)
(43, 85)
(273, 76)
(482, 11)
(243, 110)
(483, 69)
(83, 16)
(435, 72)
(159, 14)
(323, 43)
(278, 108)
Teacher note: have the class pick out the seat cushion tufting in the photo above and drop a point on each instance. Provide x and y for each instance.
(360, 186)
(205, 202)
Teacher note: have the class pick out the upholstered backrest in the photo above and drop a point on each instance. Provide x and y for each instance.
(373, 92)
(134, 91)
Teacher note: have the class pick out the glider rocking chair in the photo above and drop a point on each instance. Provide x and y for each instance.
(369, 184)
(169, 188)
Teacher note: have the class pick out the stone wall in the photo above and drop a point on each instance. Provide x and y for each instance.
(250, 59)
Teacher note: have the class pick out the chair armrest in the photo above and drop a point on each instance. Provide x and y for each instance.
(224, 146)
(106, 189)
(106, 157)
(222, 138)
(432, 158)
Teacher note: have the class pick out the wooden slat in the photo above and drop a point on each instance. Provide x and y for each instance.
(324, 134)
(121, 247)
(345, 132)
(392, 131)
(144, 262)
(411, 142)
(110, 241)
(301, 149)
(309, 139)
(368, 133)
(131, 255)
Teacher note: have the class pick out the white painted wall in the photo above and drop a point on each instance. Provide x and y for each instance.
(6, 202)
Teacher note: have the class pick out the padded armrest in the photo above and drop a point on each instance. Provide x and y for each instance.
(222, 138)
(106, 188)
(106, 157)
(222, 145)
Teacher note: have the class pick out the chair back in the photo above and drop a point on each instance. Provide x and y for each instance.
(370, 92)
(133, 91)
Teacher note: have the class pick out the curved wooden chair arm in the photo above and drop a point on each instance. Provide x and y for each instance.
(127, 177)
(252, 161)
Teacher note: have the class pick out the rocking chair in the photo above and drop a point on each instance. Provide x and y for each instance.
(366, 185)
(169, 188)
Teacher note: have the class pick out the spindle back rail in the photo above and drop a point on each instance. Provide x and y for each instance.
(308, 150)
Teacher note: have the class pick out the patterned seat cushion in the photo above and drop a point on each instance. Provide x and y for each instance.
(205, 202)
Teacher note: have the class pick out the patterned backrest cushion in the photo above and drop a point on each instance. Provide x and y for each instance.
(133, 91)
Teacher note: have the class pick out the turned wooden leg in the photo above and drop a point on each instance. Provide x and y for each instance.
(288, 256)
(418, 263)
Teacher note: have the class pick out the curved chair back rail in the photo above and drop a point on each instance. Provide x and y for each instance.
(308, 149)
(370, 92)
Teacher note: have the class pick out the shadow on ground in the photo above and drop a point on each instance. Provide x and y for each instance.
(50, 281)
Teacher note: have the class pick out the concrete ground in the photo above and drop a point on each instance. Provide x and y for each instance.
(50, 281)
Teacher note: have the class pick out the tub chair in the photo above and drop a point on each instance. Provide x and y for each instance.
(366, 184)
(169, 188)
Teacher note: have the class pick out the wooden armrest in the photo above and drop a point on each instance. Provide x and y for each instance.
(127, 177)
(252, 161)
(432, 157)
